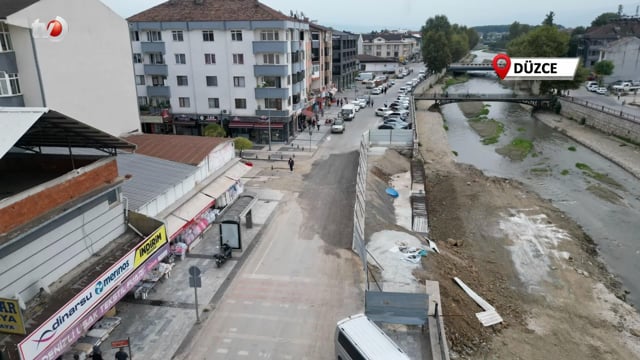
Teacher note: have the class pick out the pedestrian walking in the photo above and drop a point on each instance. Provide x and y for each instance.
(371, 102)
(122, 355)
(97, 353)
(618, 96)
(290, 163)
(318, 125)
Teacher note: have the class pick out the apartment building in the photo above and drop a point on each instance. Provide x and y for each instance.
(90, 58)
(597, 39)
(402, 46)
(322, 62)
(344, 50)
(238, 63)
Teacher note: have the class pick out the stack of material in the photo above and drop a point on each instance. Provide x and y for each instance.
(489, 316)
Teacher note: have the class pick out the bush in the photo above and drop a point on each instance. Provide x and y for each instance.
(214, 130)
(241, 143)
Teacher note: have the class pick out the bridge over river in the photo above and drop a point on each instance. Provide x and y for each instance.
(537, 101)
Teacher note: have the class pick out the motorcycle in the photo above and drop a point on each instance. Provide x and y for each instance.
(223, 255)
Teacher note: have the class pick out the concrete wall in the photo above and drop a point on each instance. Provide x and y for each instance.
(604, 122)
(625, 56)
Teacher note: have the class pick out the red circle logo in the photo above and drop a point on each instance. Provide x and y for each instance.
(54, 27)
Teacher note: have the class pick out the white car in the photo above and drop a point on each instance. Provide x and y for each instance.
(338, 126)
(602, 91)
(376, 91)
(383, 111)
(363, 102)
(356, 104)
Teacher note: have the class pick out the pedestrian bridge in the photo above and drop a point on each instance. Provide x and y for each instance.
(465, 67)
(537, 101)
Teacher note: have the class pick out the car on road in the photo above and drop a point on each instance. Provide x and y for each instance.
(403, 98)
(362, 102)
(376, 91)
(397, 121)
(356, 104)
(399, 106)
(337, 126)
(383, 111)
(593, 87)
(602, 91)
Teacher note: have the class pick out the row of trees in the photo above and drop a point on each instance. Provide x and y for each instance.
(443, 42)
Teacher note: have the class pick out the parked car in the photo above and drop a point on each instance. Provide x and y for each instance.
(403, 98)
(403, 114)
(396, 121)
(383, 111)
(356, 104)
(602, 91)
(338, 126)
(593, 87)
(362, 102)
(376, 91)
(391, 126)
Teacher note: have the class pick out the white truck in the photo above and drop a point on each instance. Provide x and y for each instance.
(626, 87)
(348, 112)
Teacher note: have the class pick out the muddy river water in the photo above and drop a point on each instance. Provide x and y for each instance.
(610, 214)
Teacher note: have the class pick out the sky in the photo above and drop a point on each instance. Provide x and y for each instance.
(368, 15)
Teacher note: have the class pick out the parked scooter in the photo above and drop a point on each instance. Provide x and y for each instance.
(223, 255)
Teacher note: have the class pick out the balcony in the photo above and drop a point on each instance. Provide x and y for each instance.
(270, 47)
(153, 69)
(315, 44)
(270, 70)
(297, 45)
(297, 67)
(158, 91)
(272, 93)
(153, 47)
(296, 88)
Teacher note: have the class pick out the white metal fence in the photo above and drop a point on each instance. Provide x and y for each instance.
(359, 210)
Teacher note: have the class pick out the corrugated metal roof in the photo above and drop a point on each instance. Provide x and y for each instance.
(151, 177)
(184, 149)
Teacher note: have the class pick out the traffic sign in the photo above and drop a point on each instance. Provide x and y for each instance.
(195, 282)
(194, 271)
(119, 343)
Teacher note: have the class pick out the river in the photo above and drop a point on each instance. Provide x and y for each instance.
(614, 226)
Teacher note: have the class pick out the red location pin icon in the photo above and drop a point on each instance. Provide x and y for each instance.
(501, 64)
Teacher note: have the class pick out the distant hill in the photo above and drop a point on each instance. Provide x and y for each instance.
(492, 28)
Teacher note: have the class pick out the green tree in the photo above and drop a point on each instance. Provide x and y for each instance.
(603, 68)
(438, 23)
(435, 51)
(516, 29)
(241, 144)
(604, 19)
(458, 45)
(574, 41)
(548, 20)
(214, 130)
(472, 37)
(543, 41)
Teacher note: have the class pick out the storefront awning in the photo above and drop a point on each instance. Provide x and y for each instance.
(194, 206)
(237, 171)
(241, 124)
(174, 225)
(223, 183)
(274, 125)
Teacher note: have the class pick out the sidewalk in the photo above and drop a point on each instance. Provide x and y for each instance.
(159, 325)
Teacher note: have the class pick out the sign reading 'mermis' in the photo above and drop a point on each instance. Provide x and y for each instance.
(37, 342)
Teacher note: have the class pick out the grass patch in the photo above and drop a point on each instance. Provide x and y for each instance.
(564, 172)
(489, 129)
(583, 167)
(603, 178)
(534, 155)
(540, 171)
(630, 141)
(521, 129)
(518, 149)
(455, 80)
(454, 152)
(484, 111)
(446, 127)
(571, 148)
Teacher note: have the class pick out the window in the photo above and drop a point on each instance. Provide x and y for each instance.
(158, 80)
(182, 80)
(271, 58)
(177, 35)
(134, 35)
(154, 36)
(214, 103)
(156, 59)
(271, 82)
(238, 59)
(181, 58)
(9, 84)
(5, 38)
(349, 348)
(238, 81)
(209, 59)
(207, 35)
(143, 101)
(273, 104)
(184, 102)
(212, 81)
(241, 103)
(139, 79)
(137, 58)
(269, 35)
(236, 35)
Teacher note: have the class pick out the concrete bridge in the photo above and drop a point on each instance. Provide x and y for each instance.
(537, 101)
(466, 67)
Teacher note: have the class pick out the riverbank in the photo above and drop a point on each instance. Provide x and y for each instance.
(525, 257)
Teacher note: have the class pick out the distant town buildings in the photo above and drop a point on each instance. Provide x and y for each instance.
(624, 54)
(597, 39)
(402, 46)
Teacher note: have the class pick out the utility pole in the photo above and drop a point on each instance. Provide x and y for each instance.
(269, 115)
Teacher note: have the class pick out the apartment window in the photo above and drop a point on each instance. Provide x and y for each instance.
(143, 101)
(184, 102)
(154, 36)
(207, 35)
(214, 103)
(241, 103)
(139, 79)
(156, 59)
(9, 84)
(137, 58)
(182, 80)
(271, 81)
(212, 81)
(177, 35)
(273, 104)
(269, 35)
(238, 59)
(181, 58)
(271, 58)
(158, 80)
(238, 81)
(134, 35)
(236, 35)
(209, 59)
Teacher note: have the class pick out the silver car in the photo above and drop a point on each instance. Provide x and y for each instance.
(338, 126)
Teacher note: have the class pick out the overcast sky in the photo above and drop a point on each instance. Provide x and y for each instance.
(367, 15)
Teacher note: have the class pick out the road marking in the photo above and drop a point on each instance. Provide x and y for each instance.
(231, 301)
(222, 351)
(243, 353)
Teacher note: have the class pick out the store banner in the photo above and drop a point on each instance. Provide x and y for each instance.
(154, 242)
(38, 341)
(70, 336)
(11, 317)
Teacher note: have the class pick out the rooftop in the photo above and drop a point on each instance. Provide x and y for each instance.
(13, 6)
(386, 36)
(615, 29)
(185, 149)
(209, 10)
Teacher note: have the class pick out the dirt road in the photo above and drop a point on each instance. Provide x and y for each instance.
(532, 263)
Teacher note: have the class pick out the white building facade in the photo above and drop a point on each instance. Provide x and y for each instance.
(625, 56)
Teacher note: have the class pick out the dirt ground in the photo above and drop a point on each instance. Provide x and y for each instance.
(526, 258)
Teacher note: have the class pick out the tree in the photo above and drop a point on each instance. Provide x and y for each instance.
(516, 29)
(214, 130)
(472, 37)
(241, 144)
(435, 51)
(548, 20)
(438, 23)
(604, 19)
(543, 41)
(574, 41)
(459, 46)
(603, 68)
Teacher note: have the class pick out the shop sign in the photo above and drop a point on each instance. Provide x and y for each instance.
(63, 342)
(11, 317)
(36, 342)
(154, 242)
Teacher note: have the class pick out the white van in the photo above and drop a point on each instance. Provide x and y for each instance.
(348, 112)
(359, 338)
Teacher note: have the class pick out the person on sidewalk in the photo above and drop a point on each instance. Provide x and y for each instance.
(97, 353)
(290, 163)
(122, 355)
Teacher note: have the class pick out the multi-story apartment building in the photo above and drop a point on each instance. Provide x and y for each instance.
(344, 51)
(596, 39)
(236, 62)
(321, 45)
(92, 62)
(397, 45)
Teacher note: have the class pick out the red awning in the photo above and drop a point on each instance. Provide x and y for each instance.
(241, 124)
(274, 125)
(307, 113)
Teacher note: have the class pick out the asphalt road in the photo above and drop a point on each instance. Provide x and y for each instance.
(610, 101)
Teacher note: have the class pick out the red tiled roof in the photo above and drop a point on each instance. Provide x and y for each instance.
(179, 148)
(615, 29)
(209, 10)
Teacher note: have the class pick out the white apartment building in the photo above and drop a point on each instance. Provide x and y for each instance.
(389, 45)
(235, 62)
(86, 73)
